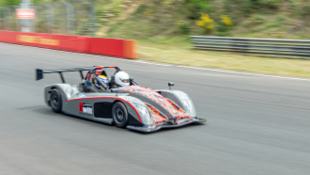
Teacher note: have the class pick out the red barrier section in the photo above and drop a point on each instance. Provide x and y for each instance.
(107, 46)
(130, 49)
(7, 36)
(102, 46)
(52, 41)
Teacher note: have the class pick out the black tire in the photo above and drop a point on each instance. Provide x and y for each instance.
(120, 115)
(56, 101)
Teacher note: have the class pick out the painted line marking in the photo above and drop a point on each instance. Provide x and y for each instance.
(244, 73)
(144, 62)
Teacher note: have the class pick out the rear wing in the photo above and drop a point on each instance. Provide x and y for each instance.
(39, 72)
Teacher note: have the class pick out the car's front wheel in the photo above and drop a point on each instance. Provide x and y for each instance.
(55, 101)
(120, 115)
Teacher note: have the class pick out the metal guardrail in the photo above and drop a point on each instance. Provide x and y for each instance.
(283, 48)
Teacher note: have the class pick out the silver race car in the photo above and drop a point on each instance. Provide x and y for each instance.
(134, 107)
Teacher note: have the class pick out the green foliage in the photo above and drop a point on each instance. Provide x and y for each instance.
(196, 7)
(206, 23)
(248, 7)
(305, 10)
(224, 25)
(9, 2)
(17, 2)
(141, 8)
(270, 4)
(184, 28)
(243, 18)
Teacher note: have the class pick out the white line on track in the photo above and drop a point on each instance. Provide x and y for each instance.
(144, 62)
(244, 73)
(158, 64)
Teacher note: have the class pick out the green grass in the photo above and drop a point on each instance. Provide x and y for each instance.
(178, 51)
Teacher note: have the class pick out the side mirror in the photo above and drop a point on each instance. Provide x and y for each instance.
(170, 84)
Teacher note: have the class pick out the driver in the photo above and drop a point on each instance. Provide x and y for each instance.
(121, 79)
(103, 79)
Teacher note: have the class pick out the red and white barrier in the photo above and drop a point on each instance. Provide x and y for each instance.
(103, 46)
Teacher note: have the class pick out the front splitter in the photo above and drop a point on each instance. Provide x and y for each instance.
(157, 127)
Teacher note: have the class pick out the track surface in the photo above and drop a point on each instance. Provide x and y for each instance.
(256, 125)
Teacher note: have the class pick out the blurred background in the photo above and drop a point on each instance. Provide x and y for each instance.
(164, 30)
(158, 18)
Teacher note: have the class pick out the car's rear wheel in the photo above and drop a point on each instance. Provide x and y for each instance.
(55, 101)
(120, 115)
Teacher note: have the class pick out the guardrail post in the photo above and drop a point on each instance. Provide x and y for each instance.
(2, 25)
(16, 21)
(7, 16)
(92, 17)
(50, 23)
(70, 17)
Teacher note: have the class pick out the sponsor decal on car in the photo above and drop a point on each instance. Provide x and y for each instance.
(85, 108)
(79, 95)
(127, 97)
(151, 94)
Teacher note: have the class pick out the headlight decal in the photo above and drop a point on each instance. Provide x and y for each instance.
(143, 112)
(187, 102)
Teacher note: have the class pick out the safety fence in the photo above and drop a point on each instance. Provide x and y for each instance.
(83, 44)
(284, 48)
(65, 17)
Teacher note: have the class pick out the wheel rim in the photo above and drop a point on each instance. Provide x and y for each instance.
(119, 115)
(54, 99)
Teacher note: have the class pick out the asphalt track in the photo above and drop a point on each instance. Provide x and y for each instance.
(256, 125)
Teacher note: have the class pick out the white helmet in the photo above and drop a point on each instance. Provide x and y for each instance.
(122, 79)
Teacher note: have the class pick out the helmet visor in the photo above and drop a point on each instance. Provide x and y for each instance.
(125, 80)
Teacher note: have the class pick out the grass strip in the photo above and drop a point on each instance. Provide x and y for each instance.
(178, 51)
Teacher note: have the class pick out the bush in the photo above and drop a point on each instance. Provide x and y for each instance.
(206, 23)
(251, 6)
(184, 28)
(141, 8)
(196, 7)
(17, 2)
(270, 4)
(305, 11)
(225, 24)
(9, 2)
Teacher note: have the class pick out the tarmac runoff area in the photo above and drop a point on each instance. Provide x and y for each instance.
(257, 125)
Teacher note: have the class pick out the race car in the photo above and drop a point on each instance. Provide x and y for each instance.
(133, 107)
